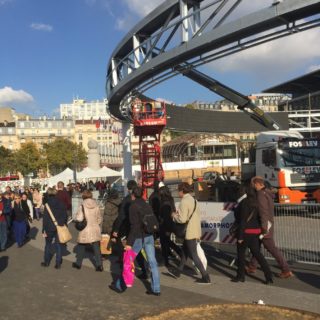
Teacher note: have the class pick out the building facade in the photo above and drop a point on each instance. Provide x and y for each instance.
(44, 130)
(81, 109)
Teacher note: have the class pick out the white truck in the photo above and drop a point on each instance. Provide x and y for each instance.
(290, 163)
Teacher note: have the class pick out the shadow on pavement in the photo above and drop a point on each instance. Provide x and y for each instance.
(309, 278)
(4, 261)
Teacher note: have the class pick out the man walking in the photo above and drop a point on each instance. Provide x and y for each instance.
(139, 239)
(64, 196)
(266, 213)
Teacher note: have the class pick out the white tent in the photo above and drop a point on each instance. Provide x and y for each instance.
(65, 176)
(107, 172)
(104, 172)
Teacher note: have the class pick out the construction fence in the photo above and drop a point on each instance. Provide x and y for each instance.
(297, 227)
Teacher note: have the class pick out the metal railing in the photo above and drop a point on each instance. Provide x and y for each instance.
(297, 232)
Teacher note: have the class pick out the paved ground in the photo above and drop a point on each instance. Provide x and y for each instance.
(28, 290)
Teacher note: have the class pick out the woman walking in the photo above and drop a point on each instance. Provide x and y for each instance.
(19, 221)
(167, 207)
(49, 230)
(37, 201)
(247, 218)
(189, 212)
(91, 234)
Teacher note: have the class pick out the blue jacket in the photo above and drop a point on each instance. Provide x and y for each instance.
(7, 209)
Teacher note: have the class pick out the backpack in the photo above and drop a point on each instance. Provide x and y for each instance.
(150, 224)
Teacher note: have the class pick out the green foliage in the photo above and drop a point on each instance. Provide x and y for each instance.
(28, 159)
(6, 161)
(63, 153)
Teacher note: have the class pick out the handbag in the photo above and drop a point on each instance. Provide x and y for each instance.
(180, 229)
(80, 225)
(63, 232)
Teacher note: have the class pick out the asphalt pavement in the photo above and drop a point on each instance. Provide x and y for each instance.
(28, 290)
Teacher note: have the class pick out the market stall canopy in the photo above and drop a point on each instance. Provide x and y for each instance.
(104, 172)
(65, 176)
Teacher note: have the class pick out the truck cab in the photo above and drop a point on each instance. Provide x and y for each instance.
(290, 163)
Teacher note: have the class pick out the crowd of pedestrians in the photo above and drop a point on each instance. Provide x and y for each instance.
(134, 224)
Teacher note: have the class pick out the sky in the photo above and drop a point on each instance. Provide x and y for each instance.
(53, 51)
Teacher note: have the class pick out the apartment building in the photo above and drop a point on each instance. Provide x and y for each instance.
(44, 130)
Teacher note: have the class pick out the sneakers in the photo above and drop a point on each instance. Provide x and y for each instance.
(285, 274)
(113, 287)
(76, 266)
(204, 280)
(250, 270)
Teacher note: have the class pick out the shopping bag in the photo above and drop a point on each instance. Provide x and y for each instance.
(202, 256)
(128, 267)
(105, 246)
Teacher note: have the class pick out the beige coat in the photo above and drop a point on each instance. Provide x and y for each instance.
(37, 198)
(185, 210)
(92, 232)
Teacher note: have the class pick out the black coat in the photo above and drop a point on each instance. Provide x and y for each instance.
(122, 223)
(137, 210)
(247, 215)
(59, 212)
(165, 219)
(18, 213)
(110, 215)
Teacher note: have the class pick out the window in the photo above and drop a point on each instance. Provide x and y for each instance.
(80, 137)
(21, 124)
(269, 157)
(10, 130)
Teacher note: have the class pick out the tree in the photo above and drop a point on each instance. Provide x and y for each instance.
(63, 153)
(27, 159)
(6, 164)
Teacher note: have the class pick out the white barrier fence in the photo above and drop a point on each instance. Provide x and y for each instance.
(297, 227)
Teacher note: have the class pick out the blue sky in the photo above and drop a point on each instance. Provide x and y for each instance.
(55, 50)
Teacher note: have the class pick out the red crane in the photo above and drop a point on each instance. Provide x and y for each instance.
(149, 120)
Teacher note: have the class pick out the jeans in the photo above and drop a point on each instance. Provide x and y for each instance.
(47, 254)
(251, 241)
(147, 243)
(37, 212)
(20, 229)
(96, 250)
(166, 245)
(3, 235)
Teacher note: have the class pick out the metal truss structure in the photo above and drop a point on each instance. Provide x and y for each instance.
(189, 33)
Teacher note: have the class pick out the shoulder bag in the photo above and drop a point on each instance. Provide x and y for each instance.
(63, 232)
(80, 225)
(180, 229)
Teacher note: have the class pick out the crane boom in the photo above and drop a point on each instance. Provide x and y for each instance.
(242, 101)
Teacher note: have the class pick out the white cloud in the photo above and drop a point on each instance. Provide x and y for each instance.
(10, 96)
(142, 8)
(313, 67)
(276, 57)
(3, 2)
(41, 27)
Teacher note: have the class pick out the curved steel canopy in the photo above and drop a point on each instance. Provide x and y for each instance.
(149, 53)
